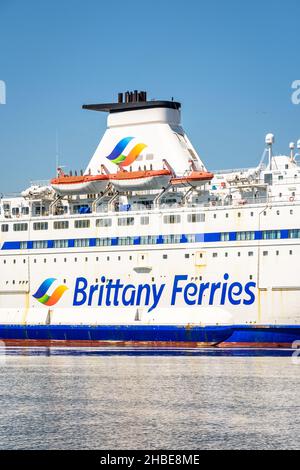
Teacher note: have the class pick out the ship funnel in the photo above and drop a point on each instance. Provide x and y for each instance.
(143, 135)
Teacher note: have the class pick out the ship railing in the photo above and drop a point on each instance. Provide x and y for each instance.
(237, 170)
(40, 183)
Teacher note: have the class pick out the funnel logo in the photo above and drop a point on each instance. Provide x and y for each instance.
(49, 300)
(117, 156)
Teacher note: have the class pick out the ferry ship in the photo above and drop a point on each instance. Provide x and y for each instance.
(148, 247)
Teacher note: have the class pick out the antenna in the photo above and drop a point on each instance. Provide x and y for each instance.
(292, 149)
(56, 153)
(270, 139)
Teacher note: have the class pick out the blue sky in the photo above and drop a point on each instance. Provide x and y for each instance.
(231, 64)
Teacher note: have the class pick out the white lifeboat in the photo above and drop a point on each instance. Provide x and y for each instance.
(194, 179)
(140, 180)
(37, 192)
(85, 184)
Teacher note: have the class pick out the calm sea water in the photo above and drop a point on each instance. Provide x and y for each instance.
(53, 399)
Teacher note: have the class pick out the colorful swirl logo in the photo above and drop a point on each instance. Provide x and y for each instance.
(49, 300)
(117, 156)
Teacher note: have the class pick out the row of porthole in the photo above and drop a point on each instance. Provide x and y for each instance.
(165, 256)
(250, 253)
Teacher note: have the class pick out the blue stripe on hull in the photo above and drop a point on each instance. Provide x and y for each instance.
(269, 334)
(153, 333)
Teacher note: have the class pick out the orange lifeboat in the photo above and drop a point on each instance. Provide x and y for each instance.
(194, 179)
(85, 184)
(140, 180)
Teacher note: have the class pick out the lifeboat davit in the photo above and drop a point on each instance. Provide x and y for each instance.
(140, 180)
(85, 184)
(194, 179)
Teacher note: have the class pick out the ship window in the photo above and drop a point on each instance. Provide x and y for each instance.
(191, 238)
(194, 218)
(277, 253)
(25, 210)
(148, 240)
(242, 236)
(224, 237)
(15, 211)
(145, 220)
(291, 212)
(271, 234)
(227, 215)
(82, 242)
(61, 225)
(104, 222)
(84, 223)
(172, 219)
(40, 226)
(186, 255)
(20, 227)
(4, 227)
(125, 221)
(226, 255)
(239, 214)
(60, 243)
(103, 241)
(172, 238)
(39, 244)
(278, 212)
(75, 259)
(215, 216)
(252, 214)
(265, 253)
(268, 178)
(295, 233)
(250, 253)
(165, 256)
(280, 177)
(23, 245)
(215, 255)
(125, 241)
(291, 252)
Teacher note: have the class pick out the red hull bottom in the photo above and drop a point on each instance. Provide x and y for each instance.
(251, 345)
(103, 344)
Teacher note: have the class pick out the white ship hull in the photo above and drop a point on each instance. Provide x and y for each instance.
(218, 266)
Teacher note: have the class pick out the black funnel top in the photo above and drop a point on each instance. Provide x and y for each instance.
(131, 101)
